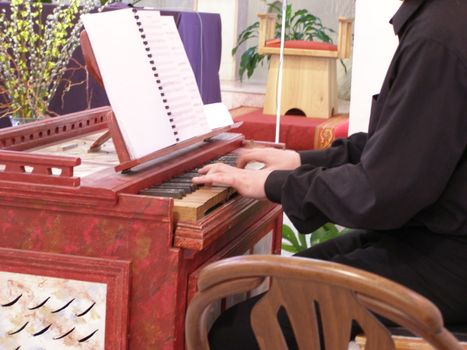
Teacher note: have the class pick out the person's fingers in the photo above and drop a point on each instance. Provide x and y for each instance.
(205, 169)
(259, 155)
(217, 173)
(249, 183)
(201, 180)
(216, 167)
(243, 160)
(217, 178)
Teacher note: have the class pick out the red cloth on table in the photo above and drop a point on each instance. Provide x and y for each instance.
(297, 132)
(302, 44)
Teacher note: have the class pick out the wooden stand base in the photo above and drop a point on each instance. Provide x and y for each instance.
(309, 84)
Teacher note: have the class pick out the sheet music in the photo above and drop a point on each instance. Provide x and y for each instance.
(217, 115)
(176, 75)
(147, 77)
(188, 76)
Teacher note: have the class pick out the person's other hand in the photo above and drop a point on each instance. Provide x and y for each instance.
(273, 158)
(249, 183)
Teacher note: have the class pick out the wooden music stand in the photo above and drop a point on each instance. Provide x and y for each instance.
(126, 161)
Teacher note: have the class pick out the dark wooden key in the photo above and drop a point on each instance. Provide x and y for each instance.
(176, 193)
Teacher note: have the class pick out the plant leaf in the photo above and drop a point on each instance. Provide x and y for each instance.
(289, 235)
(324, 233)
(248, 33)
(303, 242)
(275, 7)
(289, 248)
(300, 25)
(247, 60)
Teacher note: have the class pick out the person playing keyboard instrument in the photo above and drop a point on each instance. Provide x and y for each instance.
(401, 187)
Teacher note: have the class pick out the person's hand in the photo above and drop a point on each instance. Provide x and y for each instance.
(273, 158)
(249, 183)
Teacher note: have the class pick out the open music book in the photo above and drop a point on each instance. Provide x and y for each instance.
(148, 79)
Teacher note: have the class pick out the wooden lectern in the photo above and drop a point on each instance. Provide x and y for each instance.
(309, 75)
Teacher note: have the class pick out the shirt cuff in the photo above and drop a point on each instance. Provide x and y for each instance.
(274, 183)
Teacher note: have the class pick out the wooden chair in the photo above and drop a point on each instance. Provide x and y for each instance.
(404, 340)
(303, 286)
(309, 79)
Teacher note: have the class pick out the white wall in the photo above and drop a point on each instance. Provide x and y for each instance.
(374, 46)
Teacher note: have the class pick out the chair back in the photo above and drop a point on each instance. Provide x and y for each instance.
(319, 297)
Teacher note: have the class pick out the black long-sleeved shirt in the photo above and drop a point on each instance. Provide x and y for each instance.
(410, 169)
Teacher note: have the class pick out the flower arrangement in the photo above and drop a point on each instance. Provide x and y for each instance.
(35, 52)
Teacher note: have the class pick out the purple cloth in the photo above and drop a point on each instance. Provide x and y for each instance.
(201, 37)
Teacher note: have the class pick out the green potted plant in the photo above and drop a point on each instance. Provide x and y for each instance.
(294, 243)
(300, 25)
(34, 54)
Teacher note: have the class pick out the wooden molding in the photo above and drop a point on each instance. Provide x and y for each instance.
(44, 132)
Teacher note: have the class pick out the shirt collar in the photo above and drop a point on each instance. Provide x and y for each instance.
(407, 9)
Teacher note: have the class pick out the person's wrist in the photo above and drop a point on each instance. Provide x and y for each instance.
(297, 159)
(273, 184)
(290, 162)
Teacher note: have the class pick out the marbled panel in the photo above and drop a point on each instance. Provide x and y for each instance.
(39, 313)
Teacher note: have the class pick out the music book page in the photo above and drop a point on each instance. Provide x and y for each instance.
(147, 77)
(217, 115)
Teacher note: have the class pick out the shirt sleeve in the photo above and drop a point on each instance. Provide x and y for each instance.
(341, 151)
(406, 162)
